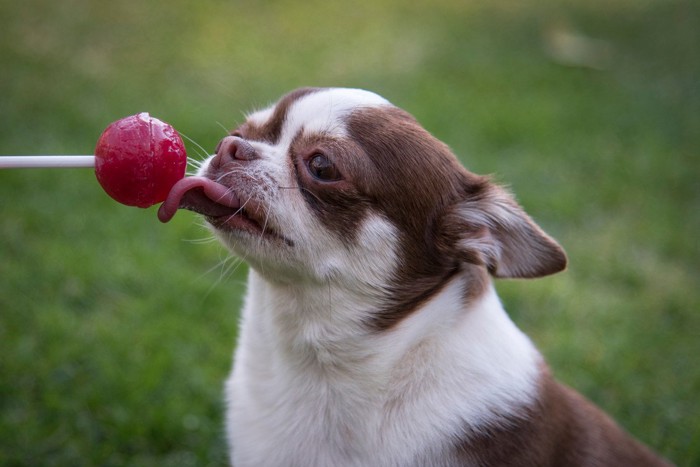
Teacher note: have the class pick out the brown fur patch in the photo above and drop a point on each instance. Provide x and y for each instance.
(561, 429)
(340, 205)
(413, 179)
(271, 130)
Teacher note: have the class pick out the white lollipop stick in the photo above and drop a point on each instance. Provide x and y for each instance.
(29, 162)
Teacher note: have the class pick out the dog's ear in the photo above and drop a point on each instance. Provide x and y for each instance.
(490, 228)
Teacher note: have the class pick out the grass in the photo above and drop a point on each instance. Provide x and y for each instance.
(116, 332)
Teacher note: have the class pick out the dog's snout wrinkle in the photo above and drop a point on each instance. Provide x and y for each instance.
(233, 148)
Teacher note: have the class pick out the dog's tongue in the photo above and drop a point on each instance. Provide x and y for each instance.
(201, 195)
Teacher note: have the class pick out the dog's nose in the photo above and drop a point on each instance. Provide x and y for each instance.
(234, 148)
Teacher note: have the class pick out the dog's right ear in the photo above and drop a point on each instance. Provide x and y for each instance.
(489, 228)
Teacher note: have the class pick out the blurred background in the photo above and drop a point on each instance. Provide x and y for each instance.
(116, 332)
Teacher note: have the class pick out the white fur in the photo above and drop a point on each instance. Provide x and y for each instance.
(322, 111)
(311, 392)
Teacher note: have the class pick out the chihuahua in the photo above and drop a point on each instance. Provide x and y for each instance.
(371, 333)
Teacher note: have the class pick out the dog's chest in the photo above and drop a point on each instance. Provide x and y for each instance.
(306, 406)
(319, 418)
(326, 398)
(304, 423)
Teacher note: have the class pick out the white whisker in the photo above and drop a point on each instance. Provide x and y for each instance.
(311, 193)
(226, 130)
(202, 151)
(200, 241)
(264, 226)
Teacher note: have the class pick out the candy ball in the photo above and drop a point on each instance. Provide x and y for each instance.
(138, 159)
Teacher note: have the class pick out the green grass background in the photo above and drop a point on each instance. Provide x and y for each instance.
(116, 332)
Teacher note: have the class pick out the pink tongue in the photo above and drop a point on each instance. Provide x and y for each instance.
(201, 195)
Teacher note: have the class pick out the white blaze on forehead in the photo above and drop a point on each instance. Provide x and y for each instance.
(321, 111)
(259, 117)
(325, 111)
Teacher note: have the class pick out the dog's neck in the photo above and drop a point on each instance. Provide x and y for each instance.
(300, 341)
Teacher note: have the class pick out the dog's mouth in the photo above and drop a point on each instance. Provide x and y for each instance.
(202, 195)
(220, 205)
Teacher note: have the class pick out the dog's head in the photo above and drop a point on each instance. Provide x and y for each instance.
(338, 185)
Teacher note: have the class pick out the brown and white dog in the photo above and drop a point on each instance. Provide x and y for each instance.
(371, 333)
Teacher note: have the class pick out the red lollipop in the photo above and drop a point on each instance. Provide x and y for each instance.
(138, 159)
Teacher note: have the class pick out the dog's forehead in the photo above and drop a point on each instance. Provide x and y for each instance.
(315, 110)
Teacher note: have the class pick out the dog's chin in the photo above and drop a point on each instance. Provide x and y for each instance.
(236, 226)
(263, 246)
(245, 227)
(270, 257)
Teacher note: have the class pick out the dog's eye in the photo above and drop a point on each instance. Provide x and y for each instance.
(323, 169)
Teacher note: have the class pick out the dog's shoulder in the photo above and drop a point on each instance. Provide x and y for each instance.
(561, 428)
